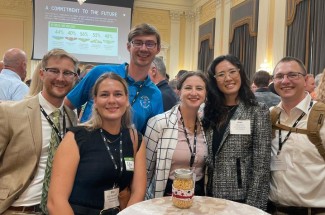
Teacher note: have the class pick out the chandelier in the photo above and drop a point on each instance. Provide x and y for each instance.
(81, 1)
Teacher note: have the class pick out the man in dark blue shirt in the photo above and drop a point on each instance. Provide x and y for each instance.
(157, 75)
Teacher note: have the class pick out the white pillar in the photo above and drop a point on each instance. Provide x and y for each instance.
(226, 27)
(196, 39)
(174, 41)
(279, 33)
(189, 40)
(218, 29)
(263, 33)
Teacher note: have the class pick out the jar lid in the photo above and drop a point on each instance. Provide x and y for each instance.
(183, 173)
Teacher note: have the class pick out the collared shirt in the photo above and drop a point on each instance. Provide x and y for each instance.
(32, 195)
(147, 104)
(11, 86)
(303, 182)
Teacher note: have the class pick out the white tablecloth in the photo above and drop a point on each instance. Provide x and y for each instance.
(201, 205)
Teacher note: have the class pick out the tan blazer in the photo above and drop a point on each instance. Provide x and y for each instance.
(20, 146)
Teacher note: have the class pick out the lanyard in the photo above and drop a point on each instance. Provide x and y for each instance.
(137, 94)
(57, 131)
(294, 125)
(193, 152)
(110, 153)
(138, 89)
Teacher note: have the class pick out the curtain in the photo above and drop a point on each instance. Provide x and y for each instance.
(305, 35)
(244, 46)
(316, 58)
(296, 33)
(205, 56)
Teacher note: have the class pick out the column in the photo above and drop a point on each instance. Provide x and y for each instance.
(196, 39)
(263, 33)
(218, 29)
(226, 27)
(189, 40)
(174, 41)
(279, 33)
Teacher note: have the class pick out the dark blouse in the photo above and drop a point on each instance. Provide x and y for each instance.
(218, 133)
(96, 172)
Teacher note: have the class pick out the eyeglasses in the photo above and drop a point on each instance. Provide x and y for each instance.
(233, 73)
(292, 76)
(56, 72)
(139, 43)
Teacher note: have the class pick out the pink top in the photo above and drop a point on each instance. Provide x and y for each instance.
(182, 153)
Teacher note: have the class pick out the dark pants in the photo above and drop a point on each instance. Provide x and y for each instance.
(276, 209)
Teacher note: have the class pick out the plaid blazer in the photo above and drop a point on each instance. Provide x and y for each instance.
(240, 170)
(161, 138)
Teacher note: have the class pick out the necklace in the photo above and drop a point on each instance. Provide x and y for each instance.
(112, 141)
(110, 153)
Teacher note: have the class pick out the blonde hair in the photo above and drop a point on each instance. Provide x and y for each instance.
(36, 84)
(320, 90)
(58, 54)
(96, 120)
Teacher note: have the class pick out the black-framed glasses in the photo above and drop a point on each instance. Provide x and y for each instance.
(233, 73)
(292, 76)
(56, 72)
(139, 43)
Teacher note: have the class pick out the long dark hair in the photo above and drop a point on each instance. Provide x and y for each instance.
(215, 110)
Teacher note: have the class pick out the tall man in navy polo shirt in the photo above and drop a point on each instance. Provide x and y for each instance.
(145, 98)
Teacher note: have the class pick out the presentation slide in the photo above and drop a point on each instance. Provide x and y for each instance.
(91, 32)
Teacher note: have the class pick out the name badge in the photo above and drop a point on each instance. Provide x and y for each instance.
(240, 127)
(111, 198)
(129, 163)
(278, 162)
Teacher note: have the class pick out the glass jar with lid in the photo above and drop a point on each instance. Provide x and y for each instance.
(183, 188)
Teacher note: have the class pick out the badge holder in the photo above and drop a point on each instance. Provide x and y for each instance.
(111, 204)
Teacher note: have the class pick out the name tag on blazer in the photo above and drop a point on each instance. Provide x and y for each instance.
(240, 127)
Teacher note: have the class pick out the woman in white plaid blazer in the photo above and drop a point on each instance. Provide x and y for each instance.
(238, 132)
(175, 139)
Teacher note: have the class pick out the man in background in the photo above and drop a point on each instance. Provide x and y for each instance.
(180, 73)
(262, 93)
(310, 84)
(30, 132)
(157, 75)
(12, 76)
(173, 86)
(1, 65)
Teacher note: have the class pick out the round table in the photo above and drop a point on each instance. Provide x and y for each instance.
(201, 205)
